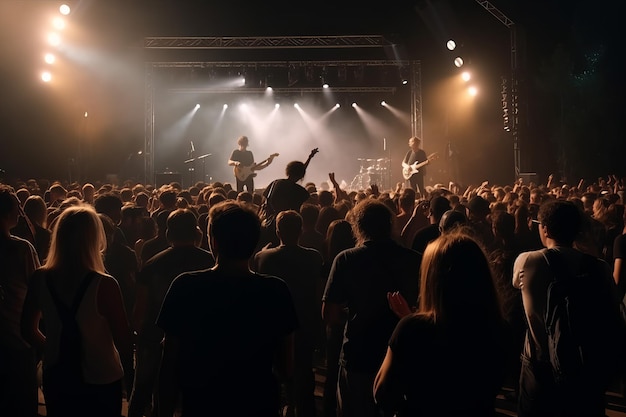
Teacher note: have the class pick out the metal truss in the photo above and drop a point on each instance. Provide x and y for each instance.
(516, 83)
(267, 42)
(239, 90)
(281, 64)
(412, 70)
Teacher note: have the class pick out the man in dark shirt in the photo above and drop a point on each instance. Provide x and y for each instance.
(285, 194)
(360, 279)
(301, 268)
(416, 154)
(153, 281)
(18, 260)
(228, 330)
(438, 206)
(242, 157)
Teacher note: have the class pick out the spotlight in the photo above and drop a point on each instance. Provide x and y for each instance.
(354, 104)
(337, 105)
(458, 62)
(325, 85)
(466, 76)
(383, 103)
(296, 105)
(277, 105)
(451, 45)
(405, 82)
(225, 106)
(197, 107)
(46, 76)
(49, 58)
(54, 39)
(86, 115)
(58, 23)
(64, 9)
(472, 91)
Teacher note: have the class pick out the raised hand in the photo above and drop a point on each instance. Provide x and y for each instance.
(398, 304)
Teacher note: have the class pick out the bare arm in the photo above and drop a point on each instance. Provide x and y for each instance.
(111, 306)
(31, 315)
(386, 393)
(339, 193)
(617, 270)
(416, 222)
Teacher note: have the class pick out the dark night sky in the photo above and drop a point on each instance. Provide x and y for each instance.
(39, 125)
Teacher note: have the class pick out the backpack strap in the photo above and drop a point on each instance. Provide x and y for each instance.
(559, 268)
(64, 311)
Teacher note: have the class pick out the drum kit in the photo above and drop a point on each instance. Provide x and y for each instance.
(372, 171)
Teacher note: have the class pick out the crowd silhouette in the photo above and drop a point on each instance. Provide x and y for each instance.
(186, 300)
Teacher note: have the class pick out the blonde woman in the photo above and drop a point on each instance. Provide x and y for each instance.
(87, 338)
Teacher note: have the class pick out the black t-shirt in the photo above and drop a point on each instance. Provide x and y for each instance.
(286, 195)
(360, 278)
(301, 269)
(157, 276)
(245, 158)
(417, 156)
(428, 356)
(424, 236)
(228, 328)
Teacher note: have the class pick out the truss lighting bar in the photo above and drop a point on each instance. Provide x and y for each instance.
(267, 42)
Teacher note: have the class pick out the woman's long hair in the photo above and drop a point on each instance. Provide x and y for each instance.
(78, 240)
(457, 284)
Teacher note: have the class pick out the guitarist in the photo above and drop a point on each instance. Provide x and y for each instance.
(243, 157)
(416, 154)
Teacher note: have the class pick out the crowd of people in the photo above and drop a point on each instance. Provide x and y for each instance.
(207, 300)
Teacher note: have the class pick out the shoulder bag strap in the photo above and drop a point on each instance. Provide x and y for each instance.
(63, 310)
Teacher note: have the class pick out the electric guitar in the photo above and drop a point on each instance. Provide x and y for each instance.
(409, 169)
(243, 172)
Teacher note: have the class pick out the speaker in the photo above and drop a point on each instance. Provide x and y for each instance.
(163, 178)
(529, 177)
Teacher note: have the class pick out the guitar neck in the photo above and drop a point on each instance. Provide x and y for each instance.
(255, 166)
(421, 164)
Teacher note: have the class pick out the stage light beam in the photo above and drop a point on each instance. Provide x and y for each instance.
(58, 23)
(54, 39)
